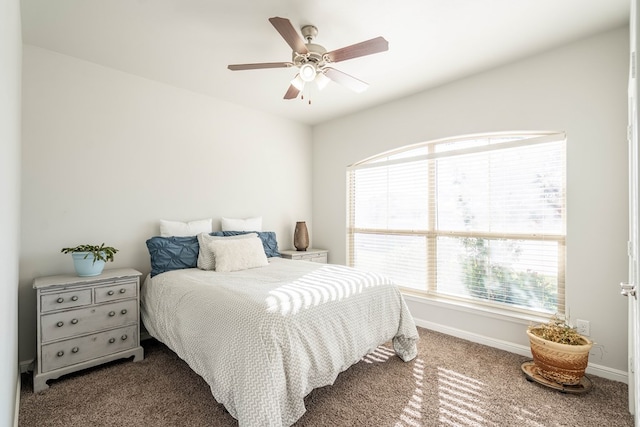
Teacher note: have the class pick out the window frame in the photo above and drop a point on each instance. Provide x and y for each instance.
(395, 156)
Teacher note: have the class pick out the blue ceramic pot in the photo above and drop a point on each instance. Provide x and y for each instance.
(84, 265)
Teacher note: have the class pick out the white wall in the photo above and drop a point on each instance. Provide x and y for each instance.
(107, 154)
(579, 88)
(10, 58)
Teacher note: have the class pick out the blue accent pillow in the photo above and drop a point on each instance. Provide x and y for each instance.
(172, 253)
(269, 242)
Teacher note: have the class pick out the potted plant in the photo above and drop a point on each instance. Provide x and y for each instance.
(89, 260)
(559, 352)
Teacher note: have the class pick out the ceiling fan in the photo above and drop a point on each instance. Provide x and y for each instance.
(313, 61)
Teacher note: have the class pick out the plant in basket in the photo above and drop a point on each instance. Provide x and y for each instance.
(559, 352)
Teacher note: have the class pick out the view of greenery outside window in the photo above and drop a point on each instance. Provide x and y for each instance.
(479, 218)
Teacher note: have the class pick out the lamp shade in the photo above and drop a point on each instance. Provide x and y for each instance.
(297, 82)
(307, 72)
(322, 81)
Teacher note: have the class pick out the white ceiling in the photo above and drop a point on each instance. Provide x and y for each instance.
(189, 43)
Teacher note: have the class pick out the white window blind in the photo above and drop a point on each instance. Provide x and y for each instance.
(478, 218)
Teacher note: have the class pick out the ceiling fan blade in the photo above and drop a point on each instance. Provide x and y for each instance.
(292, 92)
(379, 44)
(289, 34)
(346, 80)
(238, 67)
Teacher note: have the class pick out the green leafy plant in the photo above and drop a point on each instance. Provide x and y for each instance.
(99, 253)
(557, 330)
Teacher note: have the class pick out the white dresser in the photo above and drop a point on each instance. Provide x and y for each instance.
(314, 255)
(86, 321)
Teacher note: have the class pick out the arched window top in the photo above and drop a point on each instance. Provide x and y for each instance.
(462, 144)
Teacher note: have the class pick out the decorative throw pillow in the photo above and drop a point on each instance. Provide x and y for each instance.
(238, 254)
(269, 241)
(190, 228)
(172, 253)
(247, 224)
(206, 261)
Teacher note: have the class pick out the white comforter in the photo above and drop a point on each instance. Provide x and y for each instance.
(263, 338)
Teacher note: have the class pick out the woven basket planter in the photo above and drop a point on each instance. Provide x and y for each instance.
(561, 363)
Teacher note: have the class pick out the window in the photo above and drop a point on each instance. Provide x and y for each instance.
(479, 218)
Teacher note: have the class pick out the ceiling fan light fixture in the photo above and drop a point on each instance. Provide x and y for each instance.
(322, 81)
(307, 72)
(312, 59)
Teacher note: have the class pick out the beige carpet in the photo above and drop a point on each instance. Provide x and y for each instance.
(452, 382)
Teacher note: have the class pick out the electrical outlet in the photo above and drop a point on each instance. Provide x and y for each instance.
(583, 328)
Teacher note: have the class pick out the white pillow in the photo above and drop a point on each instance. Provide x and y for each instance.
(206, 260)
(247, 224)
(179, 228)
(238, 254)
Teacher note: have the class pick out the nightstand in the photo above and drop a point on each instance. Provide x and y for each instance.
(314, 255)
(86, 321)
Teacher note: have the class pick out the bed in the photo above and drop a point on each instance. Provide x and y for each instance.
(264, 337)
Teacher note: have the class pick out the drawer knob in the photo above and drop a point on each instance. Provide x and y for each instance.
(74, 350)
(60, 353)
(59, 324)
(124, 311)
(112, 340)
(74, 298)
(112, 313)
(60, 300)
(110, 293)
(123, 290)
(74, 321)
(124, 337)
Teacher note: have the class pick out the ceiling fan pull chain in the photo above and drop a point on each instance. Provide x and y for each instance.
(302, 95)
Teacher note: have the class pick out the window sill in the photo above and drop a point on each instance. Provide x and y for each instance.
(477, 309)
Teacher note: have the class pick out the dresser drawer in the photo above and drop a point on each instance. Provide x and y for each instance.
(115, 292)
(312, 255)
(69, 352)
(86, 320)
(65, 299)
(313, 258)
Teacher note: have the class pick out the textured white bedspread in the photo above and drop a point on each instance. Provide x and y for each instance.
(263, 338)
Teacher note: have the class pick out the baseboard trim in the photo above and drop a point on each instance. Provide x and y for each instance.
(16, 410)
(27, 366)
(592, 369)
